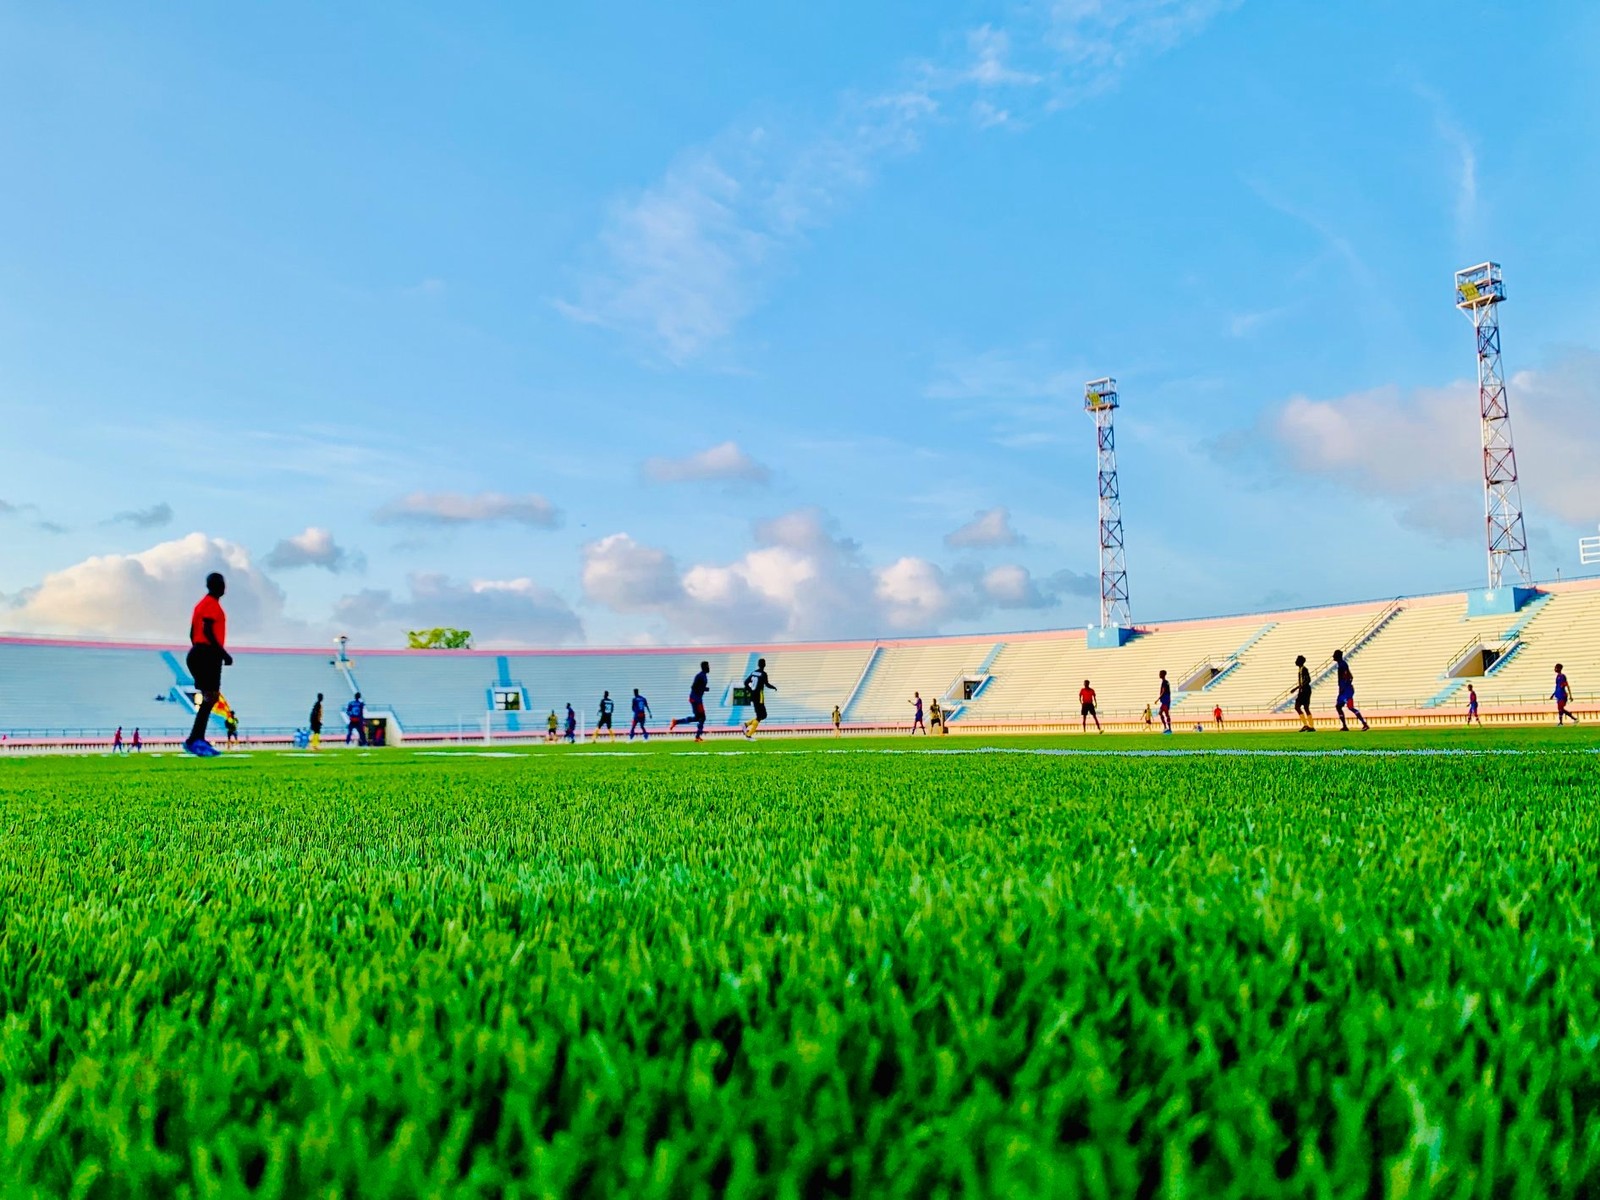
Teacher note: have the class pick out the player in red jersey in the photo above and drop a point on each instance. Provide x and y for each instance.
(1086, 708)
(208, 654)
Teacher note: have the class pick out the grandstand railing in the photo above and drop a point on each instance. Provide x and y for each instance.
(1367, 633)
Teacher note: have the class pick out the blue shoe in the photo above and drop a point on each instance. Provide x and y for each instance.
(202, 749)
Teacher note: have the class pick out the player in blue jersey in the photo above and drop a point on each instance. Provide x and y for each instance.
(1346, 699)
(697, 704)
(916, 720)
(641, 713)
(572, 724)
(1164, 703)
(1472, 706)
(1561, 695)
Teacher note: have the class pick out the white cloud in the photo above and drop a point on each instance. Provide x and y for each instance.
(456, 508)
(150, 594)
(313, 547)
(801, 580)
(678, 264)
(153, 517)
(499, 612)
(725, 462)
(1422, 445)
(989, 528)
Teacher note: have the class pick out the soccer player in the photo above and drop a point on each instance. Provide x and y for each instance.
(355, 714)
(838, 718)
(231, 724)
(697, 704)
(1086, 708)
(552, 722)
(138, 744)
(316, 723)
(1164, 702)
(1148, 716)
(1561, 695)
(572, 725)
(607, 707)
(1347, 694)
(116, 742)
(758, 684)
(936, 716)
(208, 654)
(1472, 706)
(916, 722)
(1302, 694)
(641, 711)
(1216, 716)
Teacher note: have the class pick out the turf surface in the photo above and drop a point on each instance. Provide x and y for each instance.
(808, 968)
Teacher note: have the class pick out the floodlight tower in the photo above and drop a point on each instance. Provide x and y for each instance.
(1479, 291)
(1100, 402)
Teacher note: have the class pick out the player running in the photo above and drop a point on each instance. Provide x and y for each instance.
(316, 723)
(1472, 706)
(758, 685)
(208, 654)
(138, 743)
(116, 742)
(572, 725)
(1302, 694)
(641, 713)
(1086, 708)
(697, 704)
(1164, 703)
(603, 721)
(1347, 694)
(916, 722)
(1561, 695)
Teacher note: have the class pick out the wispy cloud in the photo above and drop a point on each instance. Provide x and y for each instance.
(153, 517)
(678, 264)
(724, 463)
(987, 529)
(1465, 152)
(457, 508)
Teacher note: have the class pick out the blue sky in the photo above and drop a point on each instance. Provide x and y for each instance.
(618, 324)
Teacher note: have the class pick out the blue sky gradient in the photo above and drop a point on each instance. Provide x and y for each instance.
(632, 325)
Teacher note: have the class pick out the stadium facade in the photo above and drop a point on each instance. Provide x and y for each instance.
(1413, 659)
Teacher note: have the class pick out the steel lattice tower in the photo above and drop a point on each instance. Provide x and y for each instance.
(1479, 291)
(1100, 402)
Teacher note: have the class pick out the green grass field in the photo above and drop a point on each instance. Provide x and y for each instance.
(807, 968)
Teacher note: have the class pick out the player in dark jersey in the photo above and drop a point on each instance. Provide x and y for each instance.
(316, 723)
(208, 654)
(1086, 708)
(641, 713)
(1472, 706)
(1347, 694)
(697, 704)
(1302, 694)
(603, 721)
(572, 724)
(1164, 703)
(1561, 695)
(916, 720)
(758, 685)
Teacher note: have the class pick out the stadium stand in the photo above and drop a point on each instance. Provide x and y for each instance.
(1412, 658)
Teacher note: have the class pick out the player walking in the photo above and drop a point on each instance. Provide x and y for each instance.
(116, 742)
(641, 711)
(1561, 695)
(607, 707)
(1164, 703)
(1086, 708)
(138, 744)
(208, 654)
(1302, 694)
(916, 722)
(838, 718)
(572, 725)
(697, 704)
(1472, 706)
(316, 723)
(355, 715)
(231, 724)
(757, 684)
(1216, 716)
(1346, 697)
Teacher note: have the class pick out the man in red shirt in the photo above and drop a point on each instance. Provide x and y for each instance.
(1086, 708)
(208, 654)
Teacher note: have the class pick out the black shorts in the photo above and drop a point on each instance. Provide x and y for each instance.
(604, 722)
(205, 668)
(316, 727)
(1302, 698)
(761, 710)
(1086, 710)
